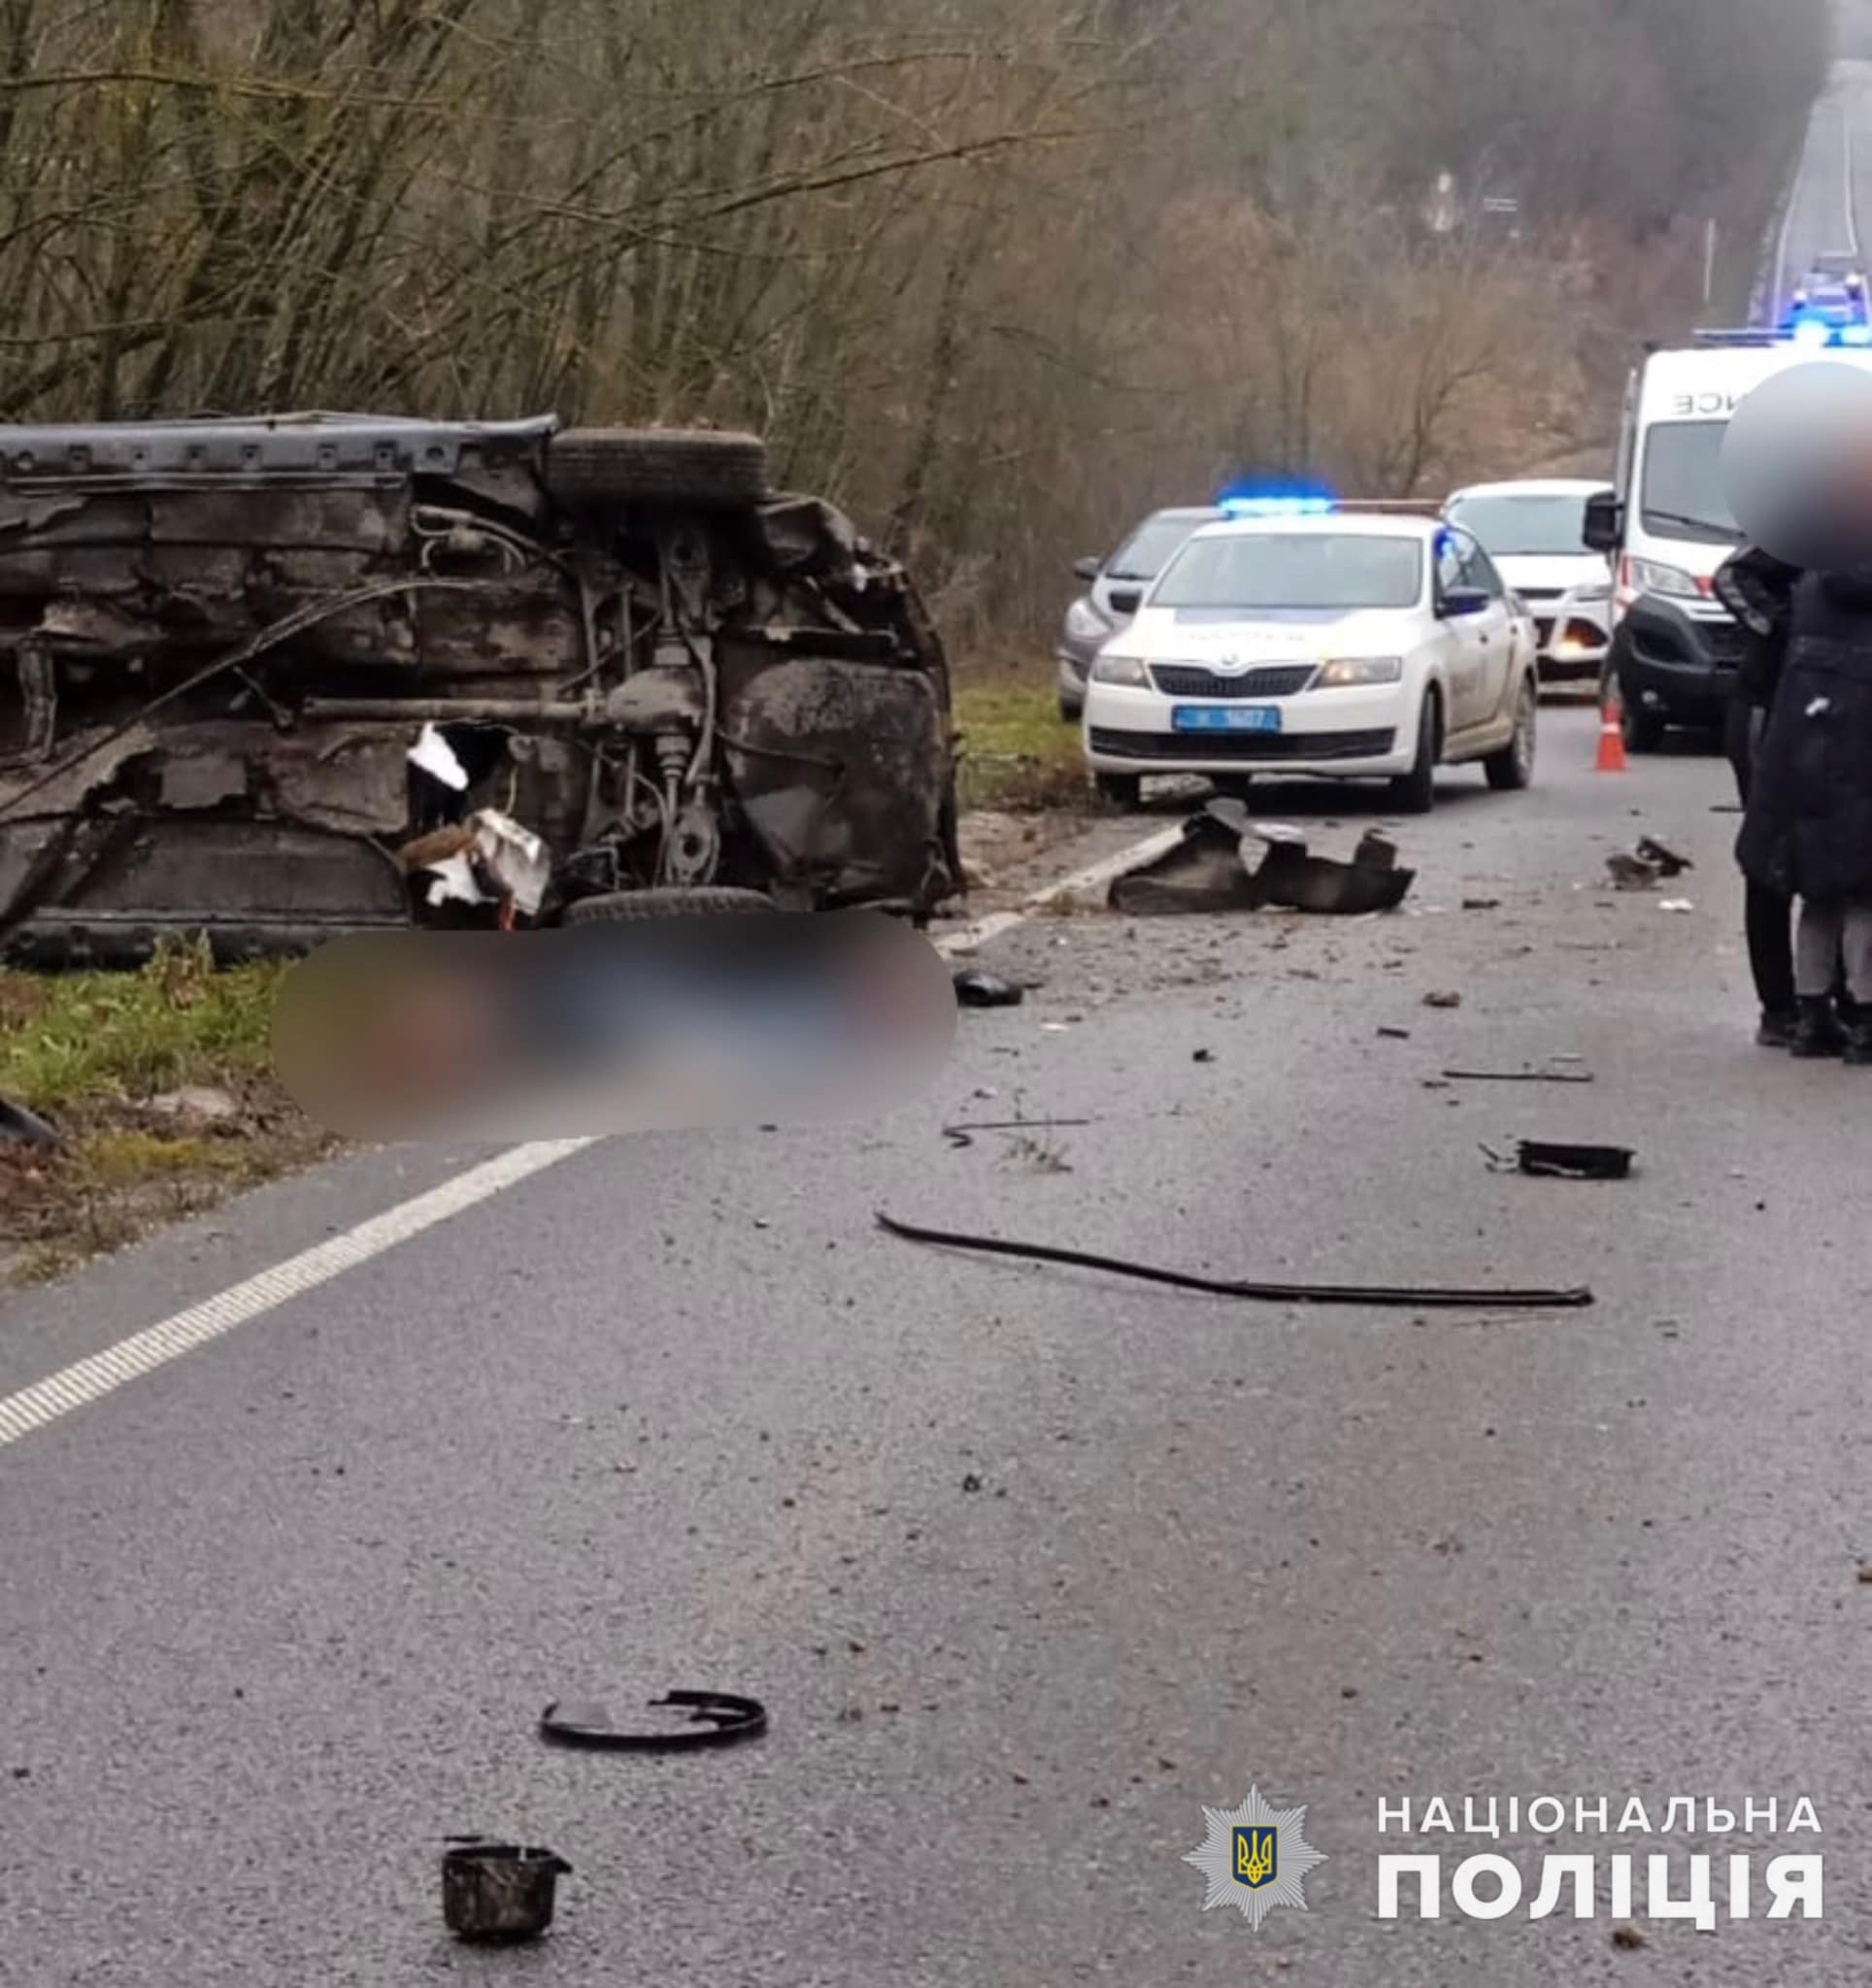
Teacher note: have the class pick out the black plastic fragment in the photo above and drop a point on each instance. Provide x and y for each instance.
(1430, 1298)
(1549, 1160)
(715, 1718)
(976, 990)
(21, 1127)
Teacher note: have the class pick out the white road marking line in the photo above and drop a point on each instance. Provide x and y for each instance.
(1787, 220)
(1094, 876)
(1851, 202)
(101, 1373)
(88, 1381)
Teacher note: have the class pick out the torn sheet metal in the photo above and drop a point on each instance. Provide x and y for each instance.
(1224, 863)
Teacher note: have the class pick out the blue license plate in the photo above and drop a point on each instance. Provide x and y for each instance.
(1225, 717)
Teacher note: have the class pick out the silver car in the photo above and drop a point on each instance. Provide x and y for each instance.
(1115, 586)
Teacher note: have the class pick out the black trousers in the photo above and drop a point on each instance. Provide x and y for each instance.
(1767, 917)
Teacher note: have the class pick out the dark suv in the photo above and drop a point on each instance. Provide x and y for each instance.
(273, 678)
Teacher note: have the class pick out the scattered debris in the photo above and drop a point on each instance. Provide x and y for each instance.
(1628, 1938)
(1546, 1075)
(1443, 1001)
(962, 1136)
(715, 1718)
(1650, 863)
(21, 1127)
(1203, 1056)
(1270, 1293)
(975, 988)
(1395, 1035)
(499, 1892)
(1550, 1160)
(1681, 905)
(200, 1101)
(1210, 870)
(971, 1483)
(1481, 903)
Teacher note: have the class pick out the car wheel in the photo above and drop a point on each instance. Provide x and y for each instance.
(697, 901)
(1512, 766)
(1122, 789)
(1069, 711)
(1644, 730)
(696, 466)
(1415, 792)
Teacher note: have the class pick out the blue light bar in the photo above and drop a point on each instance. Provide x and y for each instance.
(1277, 507)
(1277, 499)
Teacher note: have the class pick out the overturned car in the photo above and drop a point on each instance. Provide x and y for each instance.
(273, 679)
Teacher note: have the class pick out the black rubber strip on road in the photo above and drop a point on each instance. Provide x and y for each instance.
(1426, 1298)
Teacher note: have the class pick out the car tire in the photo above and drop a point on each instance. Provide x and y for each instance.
(1070, 712)
(587, 466)
(1512, 768)
(1643, 730)
(637, 907)
(1122, 789)
(1415, 792)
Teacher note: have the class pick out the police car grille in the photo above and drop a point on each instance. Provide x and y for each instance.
(1264, 747)
(1280, 679)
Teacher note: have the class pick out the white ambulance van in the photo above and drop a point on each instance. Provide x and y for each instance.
(1667, 528)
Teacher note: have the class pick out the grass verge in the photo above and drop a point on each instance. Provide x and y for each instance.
(160, 1085)
(1017, 751)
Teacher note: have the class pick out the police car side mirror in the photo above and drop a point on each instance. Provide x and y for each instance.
(1087, 569)
(1605, 523)
(1459, 601)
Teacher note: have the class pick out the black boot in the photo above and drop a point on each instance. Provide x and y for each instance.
(1816, 1031)
(1858, 1038)
(1777, 1030)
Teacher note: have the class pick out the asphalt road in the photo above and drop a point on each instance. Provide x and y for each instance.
(1829, 210)
(281, 1615)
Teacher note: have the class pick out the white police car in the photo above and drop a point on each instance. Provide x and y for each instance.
(1300, 636)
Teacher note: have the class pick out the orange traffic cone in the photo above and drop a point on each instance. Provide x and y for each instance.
(1612, 737)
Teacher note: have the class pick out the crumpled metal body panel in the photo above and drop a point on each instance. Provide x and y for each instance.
(1226, 864)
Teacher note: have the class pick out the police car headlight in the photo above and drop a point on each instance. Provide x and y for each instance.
(1347, 673)
(1085, 623)
(1127, 671)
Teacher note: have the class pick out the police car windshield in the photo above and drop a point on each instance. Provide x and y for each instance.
(1149, 548)
(1523, 527)
(1681, 483)
(1275, 569)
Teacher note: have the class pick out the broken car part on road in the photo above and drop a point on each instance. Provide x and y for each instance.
(714, 1718)
(975, 988)
(281, 678)
(1549, 1075)
(1429, 1298)
(499, 1893)
(1549, 1160)
(1648, 864)
(962, 1136)
(1210, 871)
